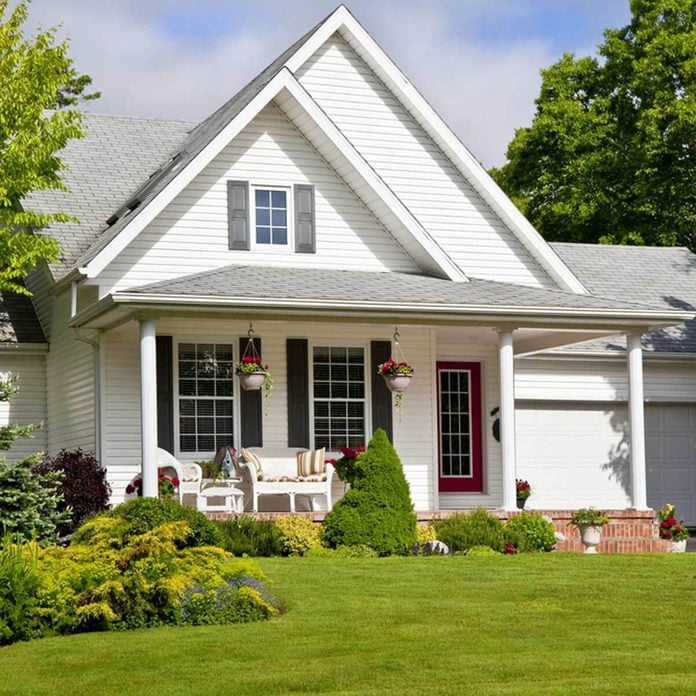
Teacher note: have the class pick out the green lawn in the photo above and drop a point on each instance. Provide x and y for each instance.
(552, 624)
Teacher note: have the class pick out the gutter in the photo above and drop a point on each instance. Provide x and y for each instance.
(144, 301)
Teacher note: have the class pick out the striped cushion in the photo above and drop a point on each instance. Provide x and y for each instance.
(311, 463)
(251, 458)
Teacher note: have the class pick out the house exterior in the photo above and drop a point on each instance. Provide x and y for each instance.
(327, 206)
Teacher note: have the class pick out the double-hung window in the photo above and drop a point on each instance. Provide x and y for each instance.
(271, 218)
(339, 397)
(206, 396)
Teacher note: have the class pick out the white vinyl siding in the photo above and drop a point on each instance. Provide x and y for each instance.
(191, 234)
(413, 431)
(28, 405)
(410, 163)
(602, 380)
(70, 384)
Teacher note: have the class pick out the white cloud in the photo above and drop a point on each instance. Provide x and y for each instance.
(483, 91)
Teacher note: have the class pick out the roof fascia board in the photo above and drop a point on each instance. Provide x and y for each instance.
(449, 268)
(342, 20)
(151, 209)
(637, 319)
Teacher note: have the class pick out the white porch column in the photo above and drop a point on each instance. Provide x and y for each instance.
(636, 418)
(507, 417)
(148, 407)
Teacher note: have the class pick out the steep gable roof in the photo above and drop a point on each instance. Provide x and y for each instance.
(205, 141)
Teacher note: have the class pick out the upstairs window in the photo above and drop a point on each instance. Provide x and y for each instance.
(271, 217)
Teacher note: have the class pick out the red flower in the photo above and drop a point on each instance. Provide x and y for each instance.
(175, 482)
(331, 461)
(129, 488)
(510, 549)
(250, 359)
(352, 452)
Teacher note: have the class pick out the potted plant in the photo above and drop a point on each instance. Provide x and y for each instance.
(670, 529)
(524, 490)
(590, 522)
(167, 486)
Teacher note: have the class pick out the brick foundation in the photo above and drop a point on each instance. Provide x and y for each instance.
(629, 531)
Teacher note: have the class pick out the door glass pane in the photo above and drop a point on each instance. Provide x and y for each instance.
(455, 424)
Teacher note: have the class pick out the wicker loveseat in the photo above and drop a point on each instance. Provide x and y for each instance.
(276, 472)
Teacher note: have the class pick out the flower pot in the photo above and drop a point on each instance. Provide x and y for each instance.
(251, 381)
(397, 383)
(678, 546)
(590, 536)
(521, 503)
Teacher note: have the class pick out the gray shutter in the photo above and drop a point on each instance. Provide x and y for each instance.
(250, 406)
(380, 351)
(165, 394)
(304, 219)
(298, 392)
(238, 215)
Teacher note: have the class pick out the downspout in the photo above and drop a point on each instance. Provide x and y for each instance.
(96, 367)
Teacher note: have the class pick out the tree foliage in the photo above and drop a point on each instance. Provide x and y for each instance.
(611, 154)
(37, 79)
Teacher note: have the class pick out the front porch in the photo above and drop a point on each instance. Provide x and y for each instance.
(167, 354)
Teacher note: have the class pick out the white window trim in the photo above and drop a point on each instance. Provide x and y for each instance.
(236, 419)
(273, 248)
(333, 343)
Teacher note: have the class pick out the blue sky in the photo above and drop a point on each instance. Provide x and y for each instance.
(477, 61)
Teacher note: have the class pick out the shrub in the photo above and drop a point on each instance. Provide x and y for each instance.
(425, 533)
(377, 510)
(83, 485)
(145, 514)
(247, 536)
(529, 531)
(477, 551)
(360, 551)
(298, 535)
(29, 503)
(478, 528)
(19, 583)
(151, 580)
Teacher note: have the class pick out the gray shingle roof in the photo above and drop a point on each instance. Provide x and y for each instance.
(18, 320)
(102, 170)
(658, 276)
(272, 282)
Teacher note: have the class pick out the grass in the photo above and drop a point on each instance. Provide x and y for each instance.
(552, 624)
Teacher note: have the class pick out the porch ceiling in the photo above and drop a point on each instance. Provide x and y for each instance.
(289, 292)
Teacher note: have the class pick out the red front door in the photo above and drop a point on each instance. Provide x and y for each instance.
(459, 419)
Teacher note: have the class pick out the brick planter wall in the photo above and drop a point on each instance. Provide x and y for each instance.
(629, 531)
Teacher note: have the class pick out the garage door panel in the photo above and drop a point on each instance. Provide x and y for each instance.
(577, 454)
(574, 455)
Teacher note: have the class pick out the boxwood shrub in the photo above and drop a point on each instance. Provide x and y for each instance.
(529, 531)
(463, 531)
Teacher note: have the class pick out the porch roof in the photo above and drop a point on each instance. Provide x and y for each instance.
(310, 289)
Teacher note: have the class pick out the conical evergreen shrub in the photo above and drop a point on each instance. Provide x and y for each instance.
(377, 510)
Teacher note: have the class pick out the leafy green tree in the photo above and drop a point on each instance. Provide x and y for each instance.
(611, 154)
(38, 84)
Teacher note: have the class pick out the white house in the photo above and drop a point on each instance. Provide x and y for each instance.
(326, 204)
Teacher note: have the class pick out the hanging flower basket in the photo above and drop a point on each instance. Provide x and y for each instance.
(252, 374)
(252, 381)
(398, 382)
(397, 374)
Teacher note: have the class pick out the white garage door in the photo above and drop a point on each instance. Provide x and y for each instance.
(670, 442)
(577, 454)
